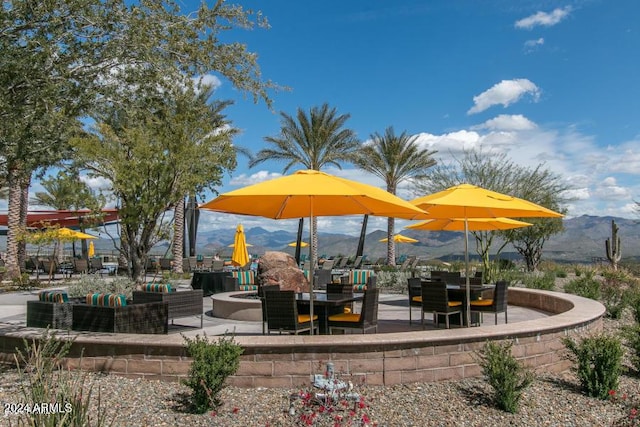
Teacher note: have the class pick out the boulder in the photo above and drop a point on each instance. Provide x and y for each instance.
(281, 268)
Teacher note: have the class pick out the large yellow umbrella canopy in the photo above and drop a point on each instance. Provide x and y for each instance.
(240, 256)
(473, 224)
(470, 201)
(65, 233)
(311, 193)
(467, 201)
(399, 238)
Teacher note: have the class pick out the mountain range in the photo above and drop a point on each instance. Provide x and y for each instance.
(582, 239)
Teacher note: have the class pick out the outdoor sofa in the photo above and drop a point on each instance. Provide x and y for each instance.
(112, 313)
(53, 309)
(181, 303)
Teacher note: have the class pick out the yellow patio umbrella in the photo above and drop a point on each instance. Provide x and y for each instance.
(473, 224)
(65, 233)
(466, 201)
(311, 193)
(302, 244)
(92, 250)
(399, 238)
(240, 256)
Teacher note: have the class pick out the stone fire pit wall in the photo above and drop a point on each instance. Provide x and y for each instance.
(375, 359)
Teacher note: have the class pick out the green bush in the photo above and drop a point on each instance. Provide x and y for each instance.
(89, 283)
(504, 374)
(212, 363)
(599, 360)
(545, 282)
(586, 286)
(631, 335)
(43, 380)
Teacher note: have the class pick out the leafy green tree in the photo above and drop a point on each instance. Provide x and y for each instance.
(498, 173)
(66, 191)
(63, 59)
(394, 159)
(153, 154)
(314, 141)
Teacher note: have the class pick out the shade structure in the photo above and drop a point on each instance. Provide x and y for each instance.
(474, 224)
(468, 201)
(311, 193)
(240, 255)
(399, 238)
(92, 250)
(302, 244)
(69, 234)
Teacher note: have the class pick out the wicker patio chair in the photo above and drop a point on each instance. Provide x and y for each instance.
(414, 286)
(282, 314)
(497, 304)
(181, 303)
(435, 299)
(262, 290)
(365, 320)
(148, 318)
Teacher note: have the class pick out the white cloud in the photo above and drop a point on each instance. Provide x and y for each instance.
(260, 176)
(577, 194)
(532, 45)
(506, 93)
(209, 80)
(507, 122)
(543, 18)
(608, 189)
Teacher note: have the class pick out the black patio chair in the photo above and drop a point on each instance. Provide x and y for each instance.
(414, 286)
(496, 304)
(435, 299)
(282, 314)
(365, 320)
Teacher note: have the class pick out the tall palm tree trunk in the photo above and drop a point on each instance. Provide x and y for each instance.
(24, 208)
(391, 244)
(178, 236)
(17, 183)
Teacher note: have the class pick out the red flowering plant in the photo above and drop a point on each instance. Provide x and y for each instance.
(332, 402)
(631, 405)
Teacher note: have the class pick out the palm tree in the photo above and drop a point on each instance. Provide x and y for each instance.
(313, 141)
(394, 158)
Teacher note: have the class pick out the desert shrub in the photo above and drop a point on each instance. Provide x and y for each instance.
(89, 283)
(392, 280)
(587, 286)
(546, 282)
(599, 363)
(631, 335)
(512, 276)
(212, 363)
(44, 381)
(507, 377)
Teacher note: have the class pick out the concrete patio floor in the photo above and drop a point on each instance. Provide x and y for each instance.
(393, 316)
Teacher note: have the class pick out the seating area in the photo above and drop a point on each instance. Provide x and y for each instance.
(282, 314)
(365, 320)
(435, 300)
(180, 303)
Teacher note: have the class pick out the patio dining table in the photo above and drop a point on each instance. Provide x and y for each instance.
(324, 305)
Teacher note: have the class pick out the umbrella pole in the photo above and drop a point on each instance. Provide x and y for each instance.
(313, 263)
(466, 272)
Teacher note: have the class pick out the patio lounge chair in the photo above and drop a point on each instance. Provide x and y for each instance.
(181, 303)
(148, 318)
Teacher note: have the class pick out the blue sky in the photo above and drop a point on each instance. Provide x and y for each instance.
(545, 81)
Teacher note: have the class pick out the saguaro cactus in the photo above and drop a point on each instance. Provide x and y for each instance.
(613, 246)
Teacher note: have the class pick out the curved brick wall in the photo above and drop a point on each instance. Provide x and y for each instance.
(377, 359)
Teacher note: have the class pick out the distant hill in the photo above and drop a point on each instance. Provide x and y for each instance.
(583, 238)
